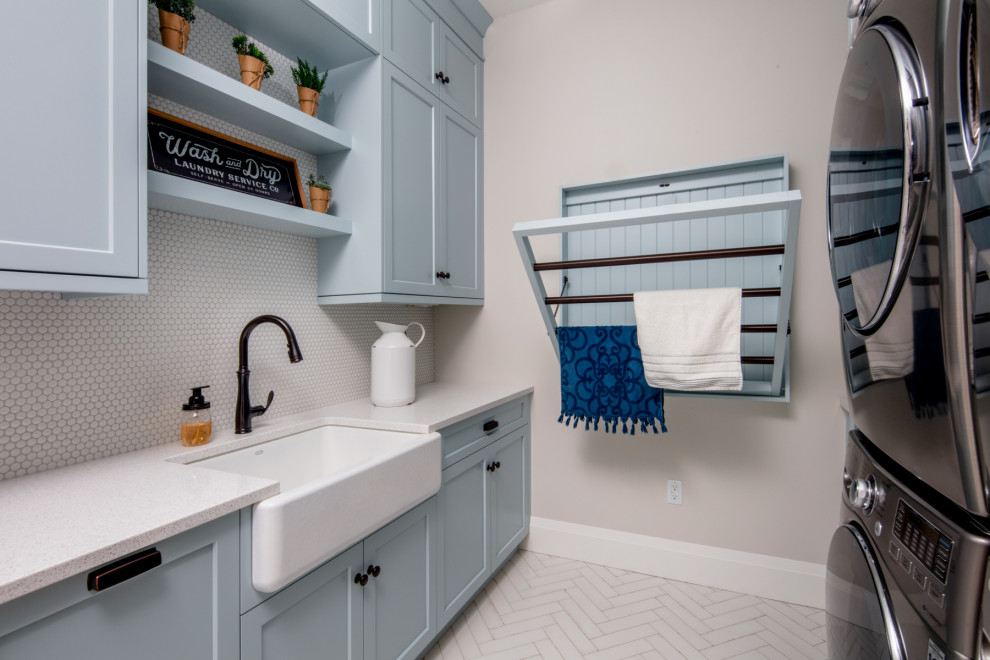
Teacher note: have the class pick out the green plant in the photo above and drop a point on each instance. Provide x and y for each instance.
(309, 76)
(183, 8)
(318, 182)
(242, 47)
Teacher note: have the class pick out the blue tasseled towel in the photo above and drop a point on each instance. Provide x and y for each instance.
(601, 380)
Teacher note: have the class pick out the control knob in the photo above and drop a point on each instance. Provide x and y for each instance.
(862, 493)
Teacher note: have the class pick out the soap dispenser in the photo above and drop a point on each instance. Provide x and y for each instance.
(195, 427)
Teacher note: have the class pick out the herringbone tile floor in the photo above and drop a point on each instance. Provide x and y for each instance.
(540, 606)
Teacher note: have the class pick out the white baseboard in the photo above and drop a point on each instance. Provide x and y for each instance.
(760, 575)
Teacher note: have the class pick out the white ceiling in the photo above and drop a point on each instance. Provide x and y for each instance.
(498, 8)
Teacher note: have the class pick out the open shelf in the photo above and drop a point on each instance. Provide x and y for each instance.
(186, 81)
(202, 200)
(296, 29)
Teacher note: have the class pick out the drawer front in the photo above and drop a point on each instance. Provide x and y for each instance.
(481, 430)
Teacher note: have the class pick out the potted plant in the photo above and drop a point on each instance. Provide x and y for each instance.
(254, 64)
(174, 18)
(309, 85)
(319, 193)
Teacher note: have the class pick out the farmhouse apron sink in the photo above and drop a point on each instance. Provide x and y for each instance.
(338, 484)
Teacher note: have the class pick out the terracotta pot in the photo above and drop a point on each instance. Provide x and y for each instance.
(252, 71)
(319, 199)
(175, 31)
(309, 100)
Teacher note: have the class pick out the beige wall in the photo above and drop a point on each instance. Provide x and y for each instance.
(584, 90)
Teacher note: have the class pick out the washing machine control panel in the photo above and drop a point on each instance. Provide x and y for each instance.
(930, 547)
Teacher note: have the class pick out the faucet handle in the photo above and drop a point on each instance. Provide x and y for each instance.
(261, 410)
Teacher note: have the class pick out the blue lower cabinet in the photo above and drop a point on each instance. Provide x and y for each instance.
(318, 617)
(482, 517)
(510, 495)
(374, 601)
(463, 547)
(399, 599)
(184, 607)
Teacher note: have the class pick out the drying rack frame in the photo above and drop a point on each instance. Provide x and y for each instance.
(787, 202)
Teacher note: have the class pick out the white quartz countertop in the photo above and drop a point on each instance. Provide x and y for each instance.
(62, 522)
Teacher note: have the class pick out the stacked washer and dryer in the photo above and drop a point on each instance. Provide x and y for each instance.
(909, 244)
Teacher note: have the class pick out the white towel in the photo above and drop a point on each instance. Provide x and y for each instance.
(689, 338)
(890, 349)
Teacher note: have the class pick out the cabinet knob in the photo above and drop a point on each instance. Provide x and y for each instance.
(360, 578)
(442, 78)
(375, 571)
(490, 467)
(498, 464)
(446, 276)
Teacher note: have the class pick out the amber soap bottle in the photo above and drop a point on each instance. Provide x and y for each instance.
(195, 427)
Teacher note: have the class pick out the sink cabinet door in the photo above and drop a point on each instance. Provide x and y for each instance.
(319, 616)
(510, 495)
(400, 603)
(463, 555)
(184, 608)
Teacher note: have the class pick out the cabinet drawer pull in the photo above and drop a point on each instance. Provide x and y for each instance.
(375, 571)
(361, 578)
(490, 426)
(123, 569)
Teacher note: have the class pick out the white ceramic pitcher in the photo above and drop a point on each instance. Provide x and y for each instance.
(393, 365)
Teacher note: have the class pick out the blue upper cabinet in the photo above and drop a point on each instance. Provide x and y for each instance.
(423, 46)
(73, 173)
(462, 231)
(417, 203)
(359, 17)
(412, 38)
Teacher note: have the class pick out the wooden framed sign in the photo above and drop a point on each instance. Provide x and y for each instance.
(183, 149)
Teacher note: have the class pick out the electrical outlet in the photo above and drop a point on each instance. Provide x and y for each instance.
(675, 492)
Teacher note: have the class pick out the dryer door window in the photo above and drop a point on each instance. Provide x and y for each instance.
(878, 175)
(859, 621)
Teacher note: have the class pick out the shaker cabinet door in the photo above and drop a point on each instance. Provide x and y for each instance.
(412, 34)
(463, 557)
(360, 17)
(510, 494)
(462, 85)
(184, 608)
(399, 602)
(319, 617)
(74, 167)
(412, 119)
(461, 183)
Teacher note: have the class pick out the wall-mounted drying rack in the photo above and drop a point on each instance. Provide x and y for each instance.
(733, 224)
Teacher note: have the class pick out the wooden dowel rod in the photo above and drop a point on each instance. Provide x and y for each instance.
(628, 297)
(758, 328)
(634, 260)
